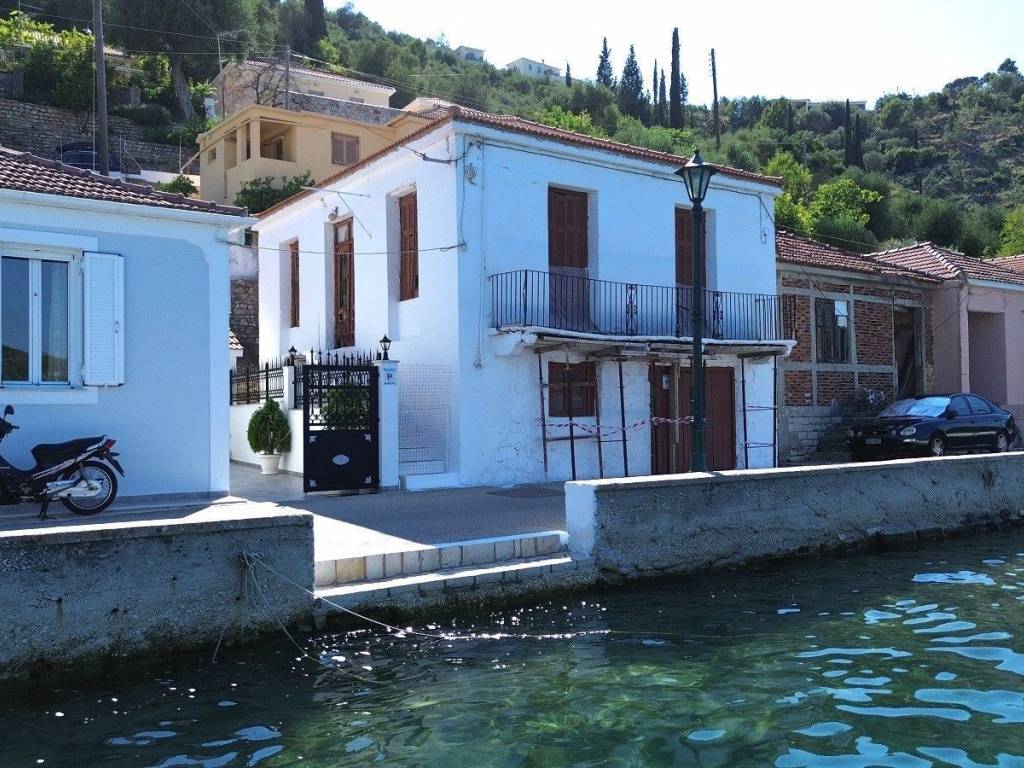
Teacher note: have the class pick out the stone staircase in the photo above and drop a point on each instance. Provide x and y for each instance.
(428, 574)
(832, 445)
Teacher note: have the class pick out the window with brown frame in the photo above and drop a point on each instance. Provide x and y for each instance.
(344, 149)
(832, 330)
(578, 381)
(293, 252)
(409, 248)
(567, 229)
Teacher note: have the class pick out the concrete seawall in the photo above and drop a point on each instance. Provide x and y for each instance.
(684, 523)
(78, 596)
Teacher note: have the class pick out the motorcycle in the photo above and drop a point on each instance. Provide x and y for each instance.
(79, 472)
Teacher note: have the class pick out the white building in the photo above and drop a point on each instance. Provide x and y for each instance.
(466, 53)
(532, 68)
(502, 257)
(114, 320)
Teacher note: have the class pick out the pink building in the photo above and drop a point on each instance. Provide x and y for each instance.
(977, 324)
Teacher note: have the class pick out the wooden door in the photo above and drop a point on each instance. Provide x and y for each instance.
(344, 286)
(719, 424)
(568, 260)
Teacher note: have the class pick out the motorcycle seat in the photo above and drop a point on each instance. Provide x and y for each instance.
(53, 453)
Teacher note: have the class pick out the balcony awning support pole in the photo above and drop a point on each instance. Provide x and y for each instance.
(543, 411)
(597, 419)
(568, 409)
(622, 423)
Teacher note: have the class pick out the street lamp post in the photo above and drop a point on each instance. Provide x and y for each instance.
(696, 176)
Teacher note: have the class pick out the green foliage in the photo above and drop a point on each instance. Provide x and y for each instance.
(181, 184)
(605, 75)
(789, 214)
(148, 115)
(839, 200)
(58, 67)
(796, 177)
(264, 191)
(845, 231)
(268, 430)
(346, 408)
(1011, 238)
(940, 222)
(630, 89)
(569, 121)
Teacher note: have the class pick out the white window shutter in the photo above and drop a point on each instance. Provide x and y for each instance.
(104, 320)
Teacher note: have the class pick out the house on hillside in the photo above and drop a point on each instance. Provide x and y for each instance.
(271, 83)
(114, 320)
(312, 134)
(466, 53)
(977, 321)
(862, 338)
(535, 284)
(531, 68)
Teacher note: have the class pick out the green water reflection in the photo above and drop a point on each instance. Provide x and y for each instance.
(904, 659)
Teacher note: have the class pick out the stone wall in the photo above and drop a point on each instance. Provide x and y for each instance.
(685, 523)
(83, 595)
(245, 317)
(42, 130)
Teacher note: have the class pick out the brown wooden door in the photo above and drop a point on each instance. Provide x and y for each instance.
(720, 420)
(568, 260)
(409, 247)
(344, 286)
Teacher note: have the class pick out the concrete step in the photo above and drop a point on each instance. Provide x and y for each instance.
(828, 457)
(429, 559)
(424, 584)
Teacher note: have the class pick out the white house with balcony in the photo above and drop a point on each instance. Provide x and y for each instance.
(533, 68)
(535, 284)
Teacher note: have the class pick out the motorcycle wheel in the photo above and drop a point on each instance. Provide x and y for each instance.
(95, 471)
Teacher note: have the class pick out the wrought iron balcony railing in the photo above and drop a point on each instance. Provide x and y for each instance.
(564, 302)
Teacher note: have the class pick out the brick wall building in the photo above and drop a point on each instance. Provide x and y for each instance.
(861, 332)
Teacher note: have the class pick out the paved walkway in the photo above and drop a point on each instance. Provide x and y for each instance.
(345, 525)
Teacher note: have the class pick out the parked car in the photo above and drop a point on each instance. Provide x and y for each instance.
(934, 425)
(82, 154)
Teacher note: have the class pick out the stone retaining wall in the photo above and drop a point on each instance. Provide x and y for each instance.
(81, 595)
(685, 523)
(42, 130)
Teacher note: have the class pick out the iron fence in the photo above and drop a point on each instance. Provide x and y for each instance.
(253, 384)
(350, 358)
(527, 297)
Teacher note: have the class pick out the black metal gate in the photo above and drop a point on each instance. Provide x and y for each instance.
(340, 428)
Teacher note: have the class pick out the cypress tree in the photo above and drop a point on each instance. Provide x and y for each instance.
(790, 127)
(847, 137)
(858, 140)
(675, 101)
(604, 67)
(662, 106)
(568, 75)
(316, 23)
(631, 88)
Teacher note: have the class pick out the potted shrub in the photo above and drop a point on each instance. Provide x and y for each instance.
(269, 436)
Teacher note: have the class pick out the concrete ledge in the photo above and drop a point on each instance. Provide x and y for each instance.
(76, 597)
(683, 523)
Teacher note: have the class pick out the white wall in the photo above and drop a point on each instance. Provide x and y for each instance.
(170, 417)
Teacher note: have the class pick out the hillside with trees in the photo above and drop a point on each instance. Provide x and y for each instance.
(947, 166)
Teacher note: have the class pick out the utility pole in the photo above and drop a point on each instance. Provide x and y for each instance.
(714, 86)
(102, 145)
(288, 77)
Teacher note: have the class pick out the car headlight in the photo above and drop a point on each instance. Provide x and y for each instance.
(908, 431)
(850, 433)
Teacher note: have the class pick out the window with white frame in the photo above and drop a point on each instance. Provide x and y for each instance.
(61, 318)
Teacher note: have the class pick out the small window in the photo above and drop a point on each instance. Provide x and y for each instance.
(211, 156)
(409, 248)
(344, 149)
(979, 405)
(572, 384)
(357, 100)
(832, 327)
(293, 252)
(35, 321)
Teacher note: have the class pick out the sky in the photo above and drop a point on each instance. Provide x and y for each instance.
(798, 48)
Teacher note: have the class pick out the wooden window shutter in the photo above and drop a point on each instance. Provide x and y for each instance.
(409, 248)
(104, 320)
(575, 384)
(684, 246)
(344, 149)
(293, 253)
(568, 244)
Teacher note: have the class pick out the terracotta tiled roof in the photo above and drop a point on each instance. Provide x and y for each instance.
(28, 173)
(1014, 263)
(441, 114)
(805, 252)
(948, 265)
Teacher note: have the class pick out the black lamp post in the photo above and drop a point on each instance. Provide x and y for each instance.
(697, 175)
(385, 345)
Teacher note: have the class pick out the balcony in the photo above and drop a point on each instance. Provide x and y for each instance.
(527, 298)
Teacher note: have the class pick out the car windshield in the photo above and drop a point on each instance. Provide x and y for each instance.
(925, 406)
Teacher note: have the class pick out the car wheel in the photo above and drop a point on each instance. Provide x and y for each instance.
(937, 446)
(1002, 442)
